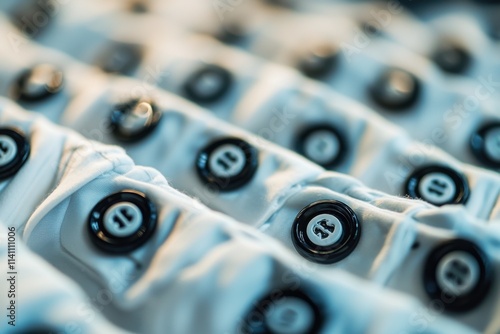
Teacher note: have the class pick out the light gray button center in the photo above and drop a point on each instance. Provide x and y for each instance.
(8, 150)
(208, 84)
(492, 144)
(227, 161)
(322, 146)
(458, 273)
(123, 219)
(437, 188)
(290, 316)
(324, 230)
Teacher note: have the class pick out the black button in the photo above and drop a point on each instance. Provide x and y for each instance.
(38, 83)
(452, 58)
(290, 4)
(485, 144)
(284, 312)
(14, 151)
(138, 6)
(371, 28)
(395, 89)
(122, 222)
(134, 120)
(227, 163)
(322, 144)
(326, 231)
(459, 274)
(32, 17)
(208, 84)
(231, 33)
(317, 63)
(119, 58)
(438, 185)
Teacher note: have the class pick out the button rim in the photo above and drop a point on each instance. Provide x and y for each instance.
(307, 131)
(310, 298)
(112, 244)
(331, 61)
(22, 78)
(470, 299)
(477, 144)
(463, 53)
(411, 185)
(374, 88)
(106, 51)
(230, 183)
(118, 110)
(227, 80)
(23, 152)
(339, 250)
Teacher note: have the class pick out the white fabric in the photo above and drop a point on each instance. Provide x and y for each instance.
(45, 299)
(199, 272)
(380, 155)
(447, 104)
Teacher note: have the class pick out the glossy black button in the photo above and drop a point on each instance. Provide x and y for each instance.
(322, 144)
(208, 84)
(452, 58)
(395, 89)
(485, 144)
(38, 83)
(286, 312)
(326, 231)
(317, 63)
(227, 164)
(122, 222)
(119, 58)
(438, 185)
(14, 151)
(134, 120)
(459, 274)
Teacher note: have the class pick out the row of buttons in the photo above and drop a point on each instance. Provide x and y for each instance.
(229, 164)
(324, 145)
(324, 232)
(395, 89)
(122, 222)
(318, 62)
